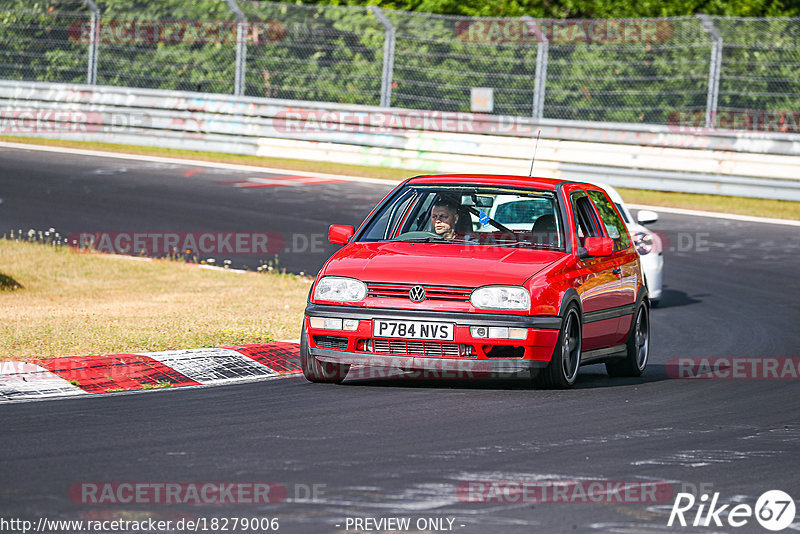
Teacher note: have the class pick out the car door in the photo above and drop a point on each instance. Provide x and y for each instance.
(624, 258)
(597, 279)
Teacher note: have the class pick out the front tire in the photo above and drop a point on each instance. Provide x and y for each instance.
(637, 347)
(318, 371)
(562, 370)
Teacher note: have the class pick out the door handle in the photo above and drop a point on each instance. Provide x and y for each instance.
(617, 271)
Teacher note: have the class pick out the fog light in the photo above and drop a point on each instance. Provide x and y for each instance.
(327, 323)
(478, 331)
(350, 324)
(498, 332)
(518, 333)
(333, 324)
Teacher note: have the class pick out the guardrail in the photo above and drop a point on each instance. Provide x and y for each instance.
(763, 165)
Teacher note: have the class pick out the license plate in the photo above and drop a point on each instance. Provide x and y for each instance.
(412, 329)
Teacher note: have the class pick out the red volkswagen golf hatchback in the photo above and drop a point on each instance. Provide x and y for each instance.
(481, 274)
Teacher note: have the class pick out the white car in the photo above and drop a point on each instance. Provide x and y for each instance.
(648, 244)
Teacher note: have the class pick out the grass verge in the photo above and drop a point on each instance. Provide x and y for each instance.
(756, 207)
(78, 303)
(778, 209)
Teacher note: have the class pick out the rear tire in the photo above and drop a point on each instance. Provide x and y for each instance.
(637, 347)
(318, 371)
(562, 370)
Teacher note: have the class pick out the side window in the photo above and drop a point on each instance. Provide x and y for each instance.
(421, 217)
(386, 225)
(586, 224)
(615, 228)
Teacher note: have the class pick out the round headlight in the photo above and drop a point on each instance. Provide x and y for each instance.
(643, 242)
(501, 298)
(340, 289)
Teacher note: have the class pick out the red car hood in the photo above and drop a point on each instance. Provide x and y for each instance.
(438, 264)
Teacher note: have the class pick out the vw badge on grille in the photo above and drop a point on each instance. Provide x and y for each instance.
(417, 294)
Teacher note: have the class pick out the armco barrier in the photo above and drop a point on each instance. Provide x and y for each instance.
(764, 165)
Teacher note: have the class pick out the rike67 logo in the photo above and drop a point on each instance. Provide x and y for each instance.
(774, 511)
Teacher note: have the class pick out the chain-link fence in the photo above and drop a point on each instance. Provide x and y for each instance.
(698, 71)
(35, 43)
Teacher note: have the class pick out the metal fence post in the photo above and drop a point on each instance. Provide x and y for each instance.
(241, 48)
(388, 56)
(714, 69)
(540, 79)
(91, 69)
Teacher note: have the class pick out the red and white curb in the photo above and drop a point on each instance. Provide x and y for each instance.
(86, 375)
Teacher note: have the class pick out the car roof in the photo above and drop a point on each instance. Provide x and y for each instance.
(548, 184)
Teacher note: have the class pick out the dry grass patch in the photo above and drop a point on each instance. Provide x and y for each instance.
(77, 303)
(756, 207)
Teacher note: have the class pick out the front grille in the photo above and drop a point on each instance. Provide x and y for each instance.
(331, 342)
(452, 293)
(418, 348)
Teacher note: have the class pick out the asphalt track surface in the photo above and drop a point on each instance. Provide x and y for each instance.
(400, 448)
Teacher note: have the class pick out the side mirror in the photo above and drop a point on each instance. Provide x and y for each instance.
(340, 234)
(596, 246)
(646, 216)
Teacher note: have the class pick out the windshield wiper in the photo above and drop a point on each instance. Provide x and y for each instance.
(431, 239)
(527, 243)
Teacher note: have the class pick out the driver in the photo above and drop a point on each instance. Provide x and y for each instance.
(444, 217)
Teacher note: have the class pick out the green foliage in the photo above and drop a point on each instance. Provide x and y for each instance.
(334, 53)
(586, 9)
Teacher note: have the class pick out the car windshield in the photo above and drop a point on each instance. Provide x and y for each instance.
(478, 215)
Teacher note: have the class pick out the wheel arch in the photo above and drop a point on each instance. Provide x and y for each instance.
(570, 296)
(643, 296)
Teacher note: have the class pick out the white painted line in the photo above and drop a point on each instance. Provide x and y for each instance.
(212, 366)
(191, 162)
(387, 182)
(124, 257)
(218, 268)
(25, 381)
(715, 215)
